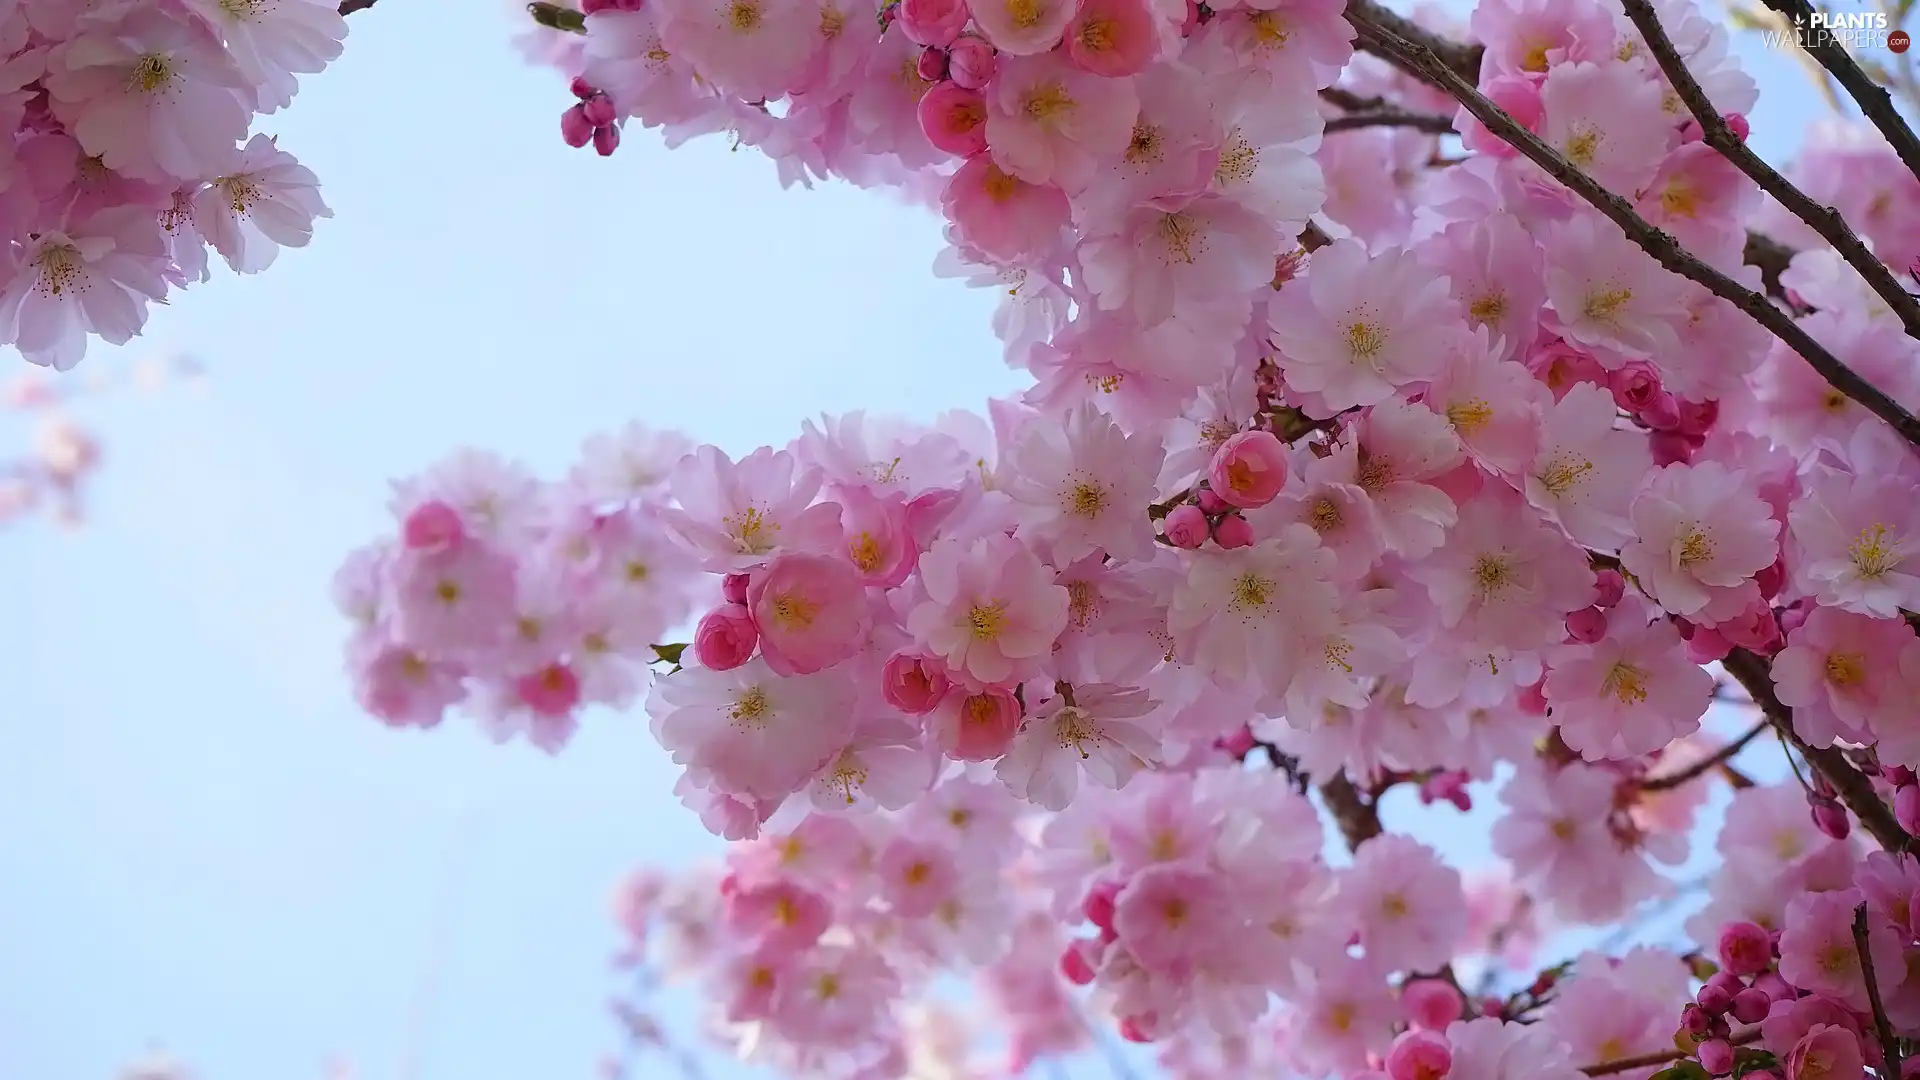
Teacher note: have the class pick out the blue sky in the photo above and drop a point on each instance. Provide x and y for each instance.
(202, 841)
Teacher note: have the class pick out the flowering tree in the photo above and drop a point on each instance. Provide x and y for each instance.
(1414, 405)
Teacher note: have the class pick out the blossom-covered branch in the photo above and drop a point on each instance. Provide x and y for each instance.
(1653, 241)
(1824, 220)
(1386, 460)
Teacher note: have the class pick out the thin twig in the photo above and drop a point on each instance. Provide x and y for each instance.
(1824, 220)
(1389, 117)
(1352, 102)
(348, 7)
(1889, 1046)
(1854, 789)
(1874, 101)
(1608, 1068)
(1664, 249)
(1707, 765)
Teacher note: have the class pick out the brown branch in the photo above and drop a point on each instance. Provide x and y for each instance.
(1461, 58)
(1391, 117)
(1700, 768)
(1772, 257)
(1359, 820)
(1824, 220)
(348, 7)
(1854, 789)
(1608, 1068)
(1874, 101)
(1352, 102)
(1889, 1046)
(1662, 247)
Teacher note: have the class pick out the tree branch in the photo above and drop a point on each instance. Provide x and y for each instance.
(1854, 789)
(1824, 220)
(1874, 101)
(1664, 249)
(1462, 58)
(1700, 768)
(1889, 1046)
(1392, 117)
(348, 7)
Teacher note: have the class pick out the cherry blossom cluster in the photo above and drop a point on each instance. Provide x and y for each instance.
(813, 944)
(50, 473)
(129, 156)
(1386, 442)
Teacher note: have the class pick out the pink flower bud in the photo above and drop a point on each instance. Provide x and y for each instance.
(971, 62)
(933, 22)
(1136, 1029)
(1830, 818)
(433, 526)
(1750, 1006)
(912, 684)
(606, 140)
(1186, 526)
(1249, 469)
(1609, 588)
(1694, 1020)
(954, 119)
(1211, 504)
(1635, 385)
(1744, 948)
(1661, 412)
(1431, 1003)
(599, 110)
(1698, 417)
(1737, 123)
(575, 128)
(552, 692)
(1670, 448)
(1075, 967)
(581, 88)
(1419, 1055)
(1233, 531)
(1587, 625)
(1715, 998)
(1906, 808)
(725, 637)
(932, 65)
(1707, 645)
(1716, 1056)
(734, 588)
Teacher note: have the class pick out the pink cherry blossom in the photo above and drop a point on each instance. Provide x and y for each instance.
(991, 610)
